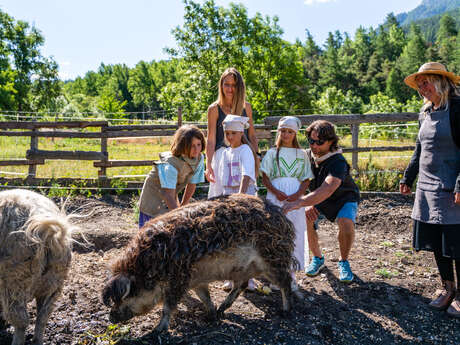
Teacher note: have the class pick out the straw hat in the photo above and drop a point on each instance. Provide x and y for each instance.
(431, 68)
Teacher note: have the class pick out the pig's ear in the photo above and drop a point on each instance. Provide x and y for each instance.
(117, 289)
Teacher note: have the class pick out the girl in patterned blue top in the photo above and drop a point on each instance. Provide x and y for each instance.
(286, 172)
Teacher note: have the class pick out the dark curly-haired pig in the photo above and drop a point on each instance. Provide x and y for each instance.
(35, 255)
(233, 237)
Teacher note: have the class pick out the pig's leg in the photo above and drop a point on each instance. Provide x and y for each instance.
(44, 308)
(175, 291)
(3, 323)
(202, 292)
(231, 297)
(282, 279)
(17, 316)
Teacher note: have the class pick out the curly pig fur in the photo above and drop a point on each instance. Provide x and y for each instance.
(232, 237)
(35, 254)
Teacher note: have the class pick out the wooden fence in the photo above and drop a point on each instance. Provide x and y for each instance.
(101, 159)
(354, 120)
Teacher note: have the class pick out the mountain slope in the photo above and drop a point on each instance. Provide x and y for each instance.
(427, 9)
(430, 26)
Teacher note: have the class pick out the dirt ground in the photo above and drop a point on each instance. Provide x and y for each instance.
(386, 303)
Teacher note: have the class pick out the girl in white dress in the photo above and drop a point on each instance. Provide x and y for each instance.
(286, 172)
(237, 166)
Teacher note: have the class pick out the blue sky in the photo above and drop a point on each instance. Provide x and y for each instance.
(82, 34)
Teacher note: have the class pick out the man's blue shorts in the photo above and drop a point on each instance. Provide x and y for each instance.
(349, 210)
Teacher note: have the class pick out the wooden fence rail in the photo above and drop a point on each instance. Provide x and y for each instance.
(354, 120)
(35, 156)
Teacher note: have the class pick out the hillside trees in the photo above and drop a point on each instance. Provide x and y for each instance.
(344, 74)
(23, 68)
(446, 42)
(214, 38)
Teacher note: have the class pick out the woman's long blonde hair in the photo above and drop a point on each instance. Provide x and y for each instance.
(445, 88)
(239, 98)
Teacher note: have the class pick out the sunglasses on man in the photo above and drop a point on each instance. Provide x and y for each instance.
(318, 142)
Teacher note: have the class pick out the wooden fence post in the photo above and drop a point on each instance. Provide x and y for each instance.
(179, 117)
(102, 173)
(354, 143)
(33, 167)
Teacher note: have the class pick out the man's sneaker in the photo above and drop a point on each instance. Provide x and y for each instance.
(315, 266)
(345, 273)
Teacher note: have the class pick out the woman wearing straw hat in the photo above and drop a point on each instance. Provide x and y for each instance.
(436, 161)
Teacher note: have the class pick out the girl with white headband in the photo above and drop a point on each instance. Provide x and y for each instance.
(237, 168)
(286, 172)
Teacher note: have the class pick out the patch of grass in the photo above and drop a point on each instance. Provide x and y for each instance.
(387, 244)
(383, 272)
(119, 185)
(57, 192)
(112, 335)
(400, 254)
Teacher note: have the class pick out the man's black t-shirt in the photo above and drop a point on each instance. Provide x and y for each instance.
(348, 191)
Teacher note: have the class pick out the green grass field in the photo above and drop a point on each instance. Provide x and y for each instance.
(16, 147)
(378, 170)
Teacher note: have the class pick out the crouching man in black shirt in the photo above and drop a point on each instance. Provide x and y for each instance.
(333, 195)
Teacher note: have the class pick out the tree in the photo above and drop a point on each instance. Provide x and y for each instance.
(396, 38)
(111, 107)
(28, 80)
(334, 101)
(330, 71)
(46, 88)
(7, 90)
(412, 57)
(117, 85)
(23, 43)
(456, 68)
(275, 76)
(445, 41)
(310, 62)
(204, 42)
(395, 88)
(380, 103)
(214, 38)
(147, 80)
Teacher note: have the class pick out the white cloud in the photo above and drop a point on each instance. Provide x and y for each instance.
(311, 2)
